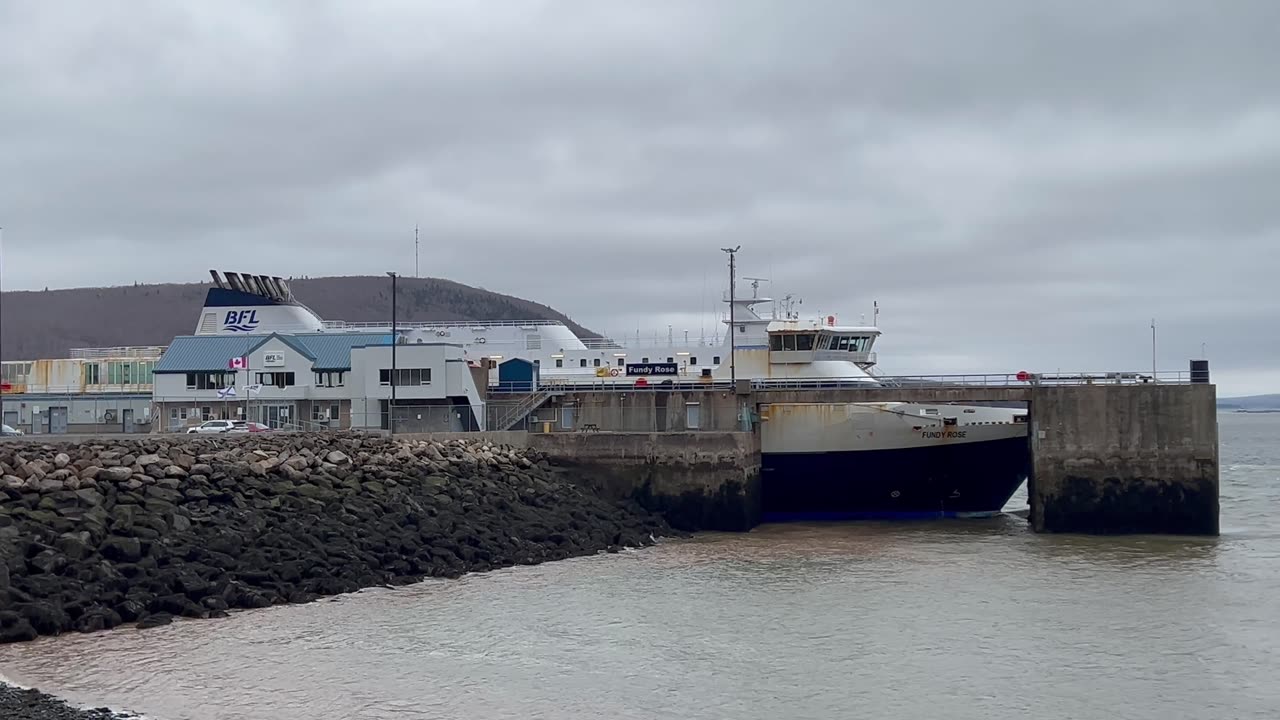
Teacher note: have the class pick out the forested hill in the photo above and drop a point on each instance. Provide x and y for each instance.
(46, 324)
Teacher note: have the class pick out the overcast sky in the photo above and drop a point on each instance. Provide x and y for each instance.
(1019, 185)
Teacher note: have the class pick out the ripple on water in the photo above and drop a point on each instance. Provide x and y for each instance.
(967, 619)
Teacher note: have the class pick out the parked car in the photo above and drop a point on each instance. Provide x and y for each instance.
(211, 426)
(6, 431)
(242, 427)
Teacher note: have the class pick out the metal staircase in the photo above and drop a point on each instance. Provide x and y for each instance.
(516, 414)
(884, 380)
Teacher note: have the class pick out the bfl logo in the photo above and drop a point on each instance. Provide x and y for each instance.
(240, 320)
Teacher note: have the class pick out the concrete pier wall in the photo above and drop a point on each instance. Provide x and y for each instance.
(1124, 459)
(698, 481)
(641, 412)
(1106, 458)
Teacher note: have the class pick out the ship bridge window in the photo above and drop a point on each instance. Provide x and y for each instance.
(849, 343)
(792, 341)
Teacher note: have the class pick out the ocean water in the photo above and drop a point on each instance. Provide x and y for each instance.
(955, 619)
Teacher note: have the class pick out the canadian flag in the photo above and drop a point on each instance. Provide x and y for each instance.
(238, 363)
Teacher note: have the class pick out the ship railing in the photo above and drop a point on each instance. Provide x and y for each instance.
(613, 343)
(1002, 380)
(343, 324)
(15, 389)
(138, 351)
(877, 382)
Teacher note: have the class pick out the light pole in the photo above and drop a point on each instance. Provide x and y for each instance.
(733, 369)
(1153, 349)
(391, 406)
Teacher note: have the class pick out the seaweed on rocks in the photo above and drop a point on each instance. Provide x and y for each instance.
(20, 704)
(95, 535)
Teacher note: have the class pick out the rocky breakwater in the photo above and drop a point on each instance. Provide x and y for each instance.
(95, 535)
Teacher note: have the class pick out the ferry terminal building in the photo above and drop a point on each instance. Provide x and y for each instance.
(315, 381)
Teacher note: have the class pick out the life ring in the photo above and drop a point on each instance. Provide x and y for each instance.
(440, 333)
(480, 341)
(613, 372)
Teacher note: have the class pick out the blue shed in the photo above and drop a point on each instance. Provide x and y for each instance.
(518, 374)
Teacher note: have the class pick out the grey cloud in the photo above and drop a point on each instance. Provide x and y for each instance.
(1017, 183)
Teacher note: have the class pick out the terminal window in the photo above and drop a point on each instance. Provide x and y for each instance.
(330, 379)
(210, 381)
(406, 377)
(276, 379)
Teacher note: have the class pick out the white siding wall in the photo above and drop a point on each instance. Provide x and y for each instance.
(294, 362)
(174, 386)
(368, 362)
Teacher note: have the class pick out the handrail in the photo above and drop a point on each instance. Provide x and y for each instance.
(878, 382)
(22, 388)
(522, 409)
(123, 351)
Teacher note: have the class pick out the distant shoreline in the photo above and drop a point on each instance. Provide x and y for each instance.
(1269, 403)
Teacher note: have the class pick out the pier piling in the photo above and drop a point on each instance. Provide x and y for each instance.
(1124, 459)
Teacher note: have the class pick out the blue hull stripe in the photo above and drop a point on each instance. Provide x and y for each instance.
(939, 481)
(870, 515)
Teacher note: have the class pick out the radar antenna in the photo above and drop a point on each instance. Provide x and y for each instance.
(789, 306)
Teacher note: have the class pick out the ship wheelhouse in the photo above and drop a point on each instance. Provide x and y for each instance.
(807, 345)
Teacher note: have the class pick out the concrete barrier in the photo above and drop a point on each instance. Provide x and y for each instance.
(1124, 459)
(698, 481)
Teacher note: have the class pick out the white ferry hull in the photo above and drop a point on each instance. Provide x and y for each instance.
(887, 461)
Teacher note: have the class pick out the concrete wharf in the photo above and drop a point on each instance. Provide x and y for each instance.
(1110, 452)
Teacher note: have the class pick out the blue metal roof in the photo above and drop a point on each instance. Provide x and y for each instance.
(332, 351)
(292, 342)
(211, 353)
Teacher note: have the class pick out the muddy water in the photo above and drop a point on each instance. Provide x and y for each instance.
(962, 619)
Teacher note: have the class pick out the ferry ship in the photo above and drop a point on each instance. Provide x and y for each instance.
(820, 461)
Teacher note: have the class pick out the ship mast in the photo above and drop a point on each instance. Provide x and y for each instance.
(733, 371)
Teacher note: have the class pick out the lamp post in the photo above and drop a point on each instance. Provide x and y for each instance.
(391, 406)
(1153, 349)
(733, 371)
